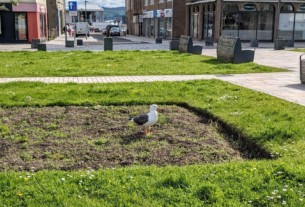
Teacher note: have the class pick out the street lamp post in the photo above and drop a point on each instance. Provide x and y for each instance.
(66, 38)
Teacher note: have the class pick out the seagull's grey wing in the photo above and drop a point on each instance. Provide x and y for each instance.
(140, 120)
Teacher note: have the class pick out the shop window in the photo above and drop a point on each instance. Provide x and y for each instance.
(21, 26)
(208, 26)
(230, 20)
(286, 22)
(247, 23)
(299, 33)
(265, 22)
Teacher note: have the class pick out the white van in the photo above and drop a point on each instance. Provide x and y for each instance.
(82, 28)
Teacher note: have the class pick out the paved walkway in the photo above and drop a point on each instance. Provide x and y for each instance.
(285, 85)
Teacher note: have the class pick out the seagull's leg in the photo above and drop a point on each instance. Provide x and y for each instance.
(149, 130)
(145, 130)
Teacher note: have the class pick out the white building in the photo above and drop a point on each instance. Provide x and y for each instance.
(89, 12)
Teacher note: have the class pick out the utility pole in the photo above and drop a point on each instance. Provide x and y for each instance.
(66, 38)
(86, 11)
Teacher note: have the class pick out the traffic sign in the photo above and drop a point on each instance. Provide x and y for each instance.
(72, 5)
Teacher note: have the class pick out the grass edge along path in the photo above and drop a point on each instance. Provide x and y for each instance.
(118, 63)
(275, 124)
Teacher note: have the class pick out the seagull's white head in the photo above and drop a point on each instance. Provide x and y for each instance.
(153, 107)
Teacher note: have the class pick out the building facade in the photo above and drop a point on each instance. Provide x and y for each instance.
(156, 18)
(89, 12)
(56, 19)
(23, 22)
(248, 20)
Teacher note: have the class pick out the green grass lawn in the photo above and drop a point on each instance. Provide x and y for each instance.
(76, 63)
(298, 49)
(276, 125)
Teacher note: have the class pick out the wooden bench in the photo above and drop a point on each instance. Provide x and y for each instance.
(229, 50)
(186, 45)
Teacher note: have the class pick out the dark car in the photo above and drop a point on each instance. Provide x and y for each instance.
(115, 31)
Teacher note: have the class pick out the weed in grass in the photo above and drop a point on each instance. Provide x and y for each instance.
(26, 156)
(101, 141)
(4, 130)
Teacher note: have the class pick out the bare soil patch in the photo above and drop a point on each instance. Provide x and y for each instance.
(74, 137)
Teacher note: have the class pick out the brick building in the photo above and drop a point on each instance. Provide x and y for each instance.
(24, 21)
(156, 18)
(248, 20)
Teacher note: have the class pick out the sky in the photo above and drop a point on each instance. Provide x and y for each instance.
(105, 3)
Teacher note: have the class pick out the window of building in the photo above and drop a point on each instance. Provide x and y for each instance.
(247, 23)
(42, 25)
(145, 2)
(230, 20)
(151, 2)
(21, 26)
(265, 22)
(299, 33)
(161, 1)
(286, 22)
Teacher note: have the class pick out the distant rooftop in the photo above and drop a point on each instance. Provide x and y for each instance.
(89, 7)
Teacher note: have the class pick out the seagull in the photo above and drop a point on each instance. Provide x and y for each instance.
(148, 119)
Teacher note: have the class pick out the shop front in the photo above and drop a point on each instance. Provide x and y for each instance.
(157, 23)
(264, 21)
(22, 23)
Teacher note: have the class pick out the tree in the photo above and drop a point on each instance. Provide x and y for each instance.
(14, 2)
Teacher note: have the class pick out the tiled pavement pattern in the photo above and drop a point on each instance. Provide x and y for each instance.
(285, 85)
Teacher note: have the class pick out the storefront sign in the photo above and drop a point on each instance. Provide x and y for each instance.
(249, 7)
(148, 14)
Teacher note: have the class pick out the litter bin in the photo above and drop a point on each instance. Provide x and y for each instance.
(174, 44)
(302, 69)
(279, 44)
(253, 43)
(70, 43)
(159, 40)
(108, 43)
(79, 42)
(209, 41)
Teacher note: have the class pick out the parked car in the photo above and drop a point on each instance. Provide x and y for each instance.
(104, 31)
(115, 31)
(108, 27)
(97, 29)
